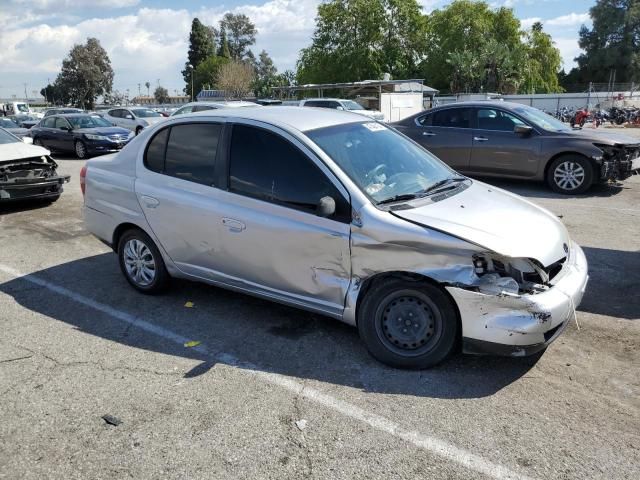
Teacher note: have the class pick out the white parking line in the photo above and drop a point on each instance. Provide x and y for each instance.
(426, 442)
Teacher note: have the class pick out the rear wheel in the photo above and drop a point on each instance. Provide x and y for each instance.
(38, 142)
(141, 262)
(407, 324)
(570, 174)
(138, 130)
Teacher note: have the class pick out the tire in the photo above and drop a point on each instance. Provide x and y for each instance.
(138, 130)
(136, 245)
(570, 174)
(407, 324)
(37, 142)
(81, 149)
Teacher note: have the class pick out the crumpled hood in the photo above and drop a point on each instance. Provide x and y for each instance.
(20, 150)
(496, 220)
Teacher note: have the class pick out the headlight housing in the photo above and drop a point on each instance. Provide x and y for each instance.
(130, 135)
(91, 136)
(608, 151)
(499, 274)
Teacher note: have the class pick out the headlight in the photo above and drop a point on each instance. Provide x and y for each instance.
(608, 151)
(498, 274)
(94, 137)
(130, 135)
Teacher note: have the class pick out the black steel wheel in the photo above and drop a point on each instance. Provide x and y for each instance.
(407, 324)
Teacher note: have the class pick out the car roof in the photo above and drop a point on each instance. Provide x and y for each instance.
(325, 99)
(223, 103)
(291, 118)
(483, 103)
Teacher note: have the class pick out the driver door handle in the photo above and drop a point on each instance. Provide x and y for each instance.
(428, 134)
(480, 139)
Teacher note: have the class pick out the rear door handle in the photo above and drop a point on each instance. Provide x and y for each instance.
(480, 139)
(428, 134)
(150, 202)
(233, 225)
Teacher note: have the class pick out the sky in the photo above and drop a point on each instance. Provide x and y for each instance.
(147, 40)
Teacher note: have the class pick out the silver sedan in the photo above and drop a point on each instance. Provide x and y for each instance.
(337, 214)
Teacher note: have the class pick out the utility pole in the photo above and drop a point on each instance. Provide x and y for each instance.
(139, 94)
(26, 97)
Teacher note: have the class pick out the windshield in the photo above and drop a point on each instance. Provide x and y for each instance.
(351, 105)
(88, 121)
(541, 119)
(145, 113)
(383, 163)
(22, 107)
(6, 123)
(6, 137)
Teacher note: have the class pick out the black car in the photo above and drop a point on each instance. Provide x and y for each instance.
(86, 135)
(511, 140)
(60, 111)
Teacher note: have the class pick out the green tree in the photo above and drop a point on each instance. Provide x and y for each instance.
(161, 94)
(266, 75)
(363, 39)
(148, 85)
(223, 51)
(201, 47)
(86, 74)
(205, 76)
(542, 62)
(49, 93)
(465, 26)
(612, 44)
(239, 32)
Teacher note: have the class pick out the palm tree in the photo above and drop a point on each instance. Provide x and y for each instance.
(148, 85)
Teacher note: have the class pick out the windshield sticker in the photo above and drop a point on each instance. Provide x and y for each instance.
(374, 127)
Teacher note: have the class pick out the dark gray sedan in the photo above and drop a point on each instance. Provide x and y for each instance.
(511, 140)
(12, 127)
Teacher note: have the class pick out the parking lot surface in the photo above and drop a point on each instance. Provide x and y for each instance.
(273, 392)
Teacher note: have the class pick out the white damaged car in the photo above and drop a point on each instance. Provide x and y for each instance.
(27, 172)
(333, 213)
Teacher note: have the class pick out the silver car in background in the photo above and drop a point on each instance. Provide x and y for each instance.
(134, 118)
(336, 214)
(193, 107)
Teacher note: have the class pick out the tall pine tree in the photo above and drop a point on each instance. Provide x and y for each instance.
(201, 47)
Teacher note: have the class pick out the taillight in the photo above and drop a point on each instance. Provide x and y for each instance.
(83, 175)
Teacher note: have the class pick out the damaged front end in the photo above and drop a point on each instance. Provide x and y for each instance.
(618, 161)
(30, 178)
(517, 306)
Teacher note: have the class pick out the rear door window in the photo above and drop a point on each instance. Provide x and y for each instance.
(191, 152)
(452, 118)
(202, 108)
(185, 151)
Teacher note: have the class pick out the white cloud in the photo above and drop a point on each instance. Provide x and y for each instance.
(47, 5)
(527, 23)
(569, 49)
(569, 20)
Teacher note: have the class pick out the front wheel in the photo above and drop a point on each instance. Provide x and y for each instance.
(570, 174)
(141, 262)
(81, 149)
(407, 324)
(138, 130)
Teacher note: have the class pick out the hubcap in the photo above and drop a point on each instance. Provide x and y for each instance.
(408, 324)
(139, 262)
(569, 175)
(80, 149)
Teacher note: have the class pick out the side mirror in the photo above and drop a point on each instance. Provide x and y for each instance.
(326, 207)
(339, 108)
(522, 130)
(129, 117)
(113, 124)
(27, 140)
(66, 129)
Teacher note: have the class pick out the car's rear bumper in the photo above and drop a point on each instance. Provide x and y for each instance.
(519, 325)
(49, 188)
